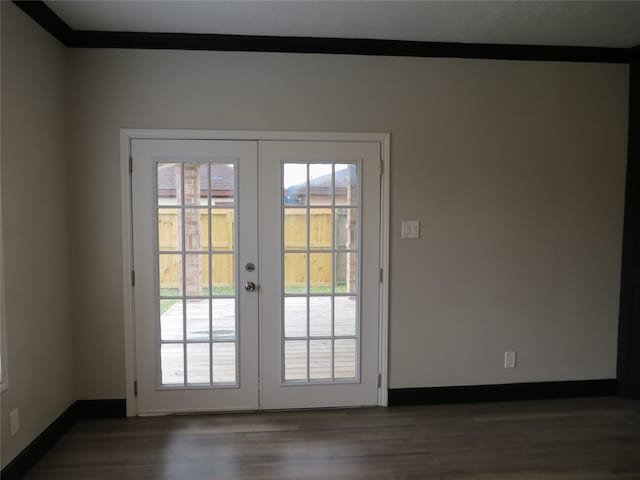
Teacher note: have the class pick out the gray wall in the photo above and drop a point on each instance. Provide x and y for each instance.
(35, 228)
(515, 169)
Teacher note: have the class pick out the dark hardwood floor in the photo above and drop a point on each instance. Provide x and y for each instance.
(578, 439)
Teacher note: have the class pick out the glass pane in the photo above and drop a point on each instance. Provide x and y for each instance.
(295, 184)
(320, 316)
(346, 184)
(295, 360)
(172, 364)
(344, 316)
(196, 184)
(320, 277)
(170, 273)
(320, 183)
(223, 229)
(196, 229)
(224, 362)
(346, 228)
(197, 274)
(295, 273)
(295, 228)
(344, 359)
(169, 176)
(223, 184)
(295, 316)
(320, 228)
(224, 318)
(198, 319)
(346, 272)
(320, 359)
(171, 315)
(169, 229)
(198, 363)
(223, 275)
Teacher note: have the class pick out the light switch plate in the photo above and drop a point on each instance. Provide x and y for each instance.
(410, 229)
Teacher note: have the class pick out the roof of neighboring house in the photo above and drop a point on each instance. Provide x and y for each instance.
(222, 179)
(322, 185)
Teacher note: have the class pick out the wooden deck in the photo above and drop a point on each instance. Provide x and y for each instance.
(295, 325)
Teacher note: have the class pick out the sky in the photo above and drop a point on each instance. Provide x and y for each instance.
(295, 173)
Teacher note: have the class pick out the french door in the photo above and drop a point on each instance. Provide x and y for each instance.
(319, 222)
(257, 274)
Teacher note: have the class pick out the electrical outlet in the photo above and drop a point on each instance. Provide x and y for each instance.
(14, 421)
(509, 359)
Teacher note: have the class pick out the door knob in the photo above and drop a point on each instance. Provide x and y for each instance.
(250, 287)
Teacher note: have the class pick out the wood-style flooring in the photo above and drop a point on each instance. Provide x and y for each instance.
(577, 439)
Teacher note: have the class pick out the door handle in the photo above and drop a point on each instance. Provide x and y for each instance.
(250, 287)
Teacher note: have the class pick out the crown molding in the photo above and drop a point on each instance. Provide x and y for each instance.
(48, 19)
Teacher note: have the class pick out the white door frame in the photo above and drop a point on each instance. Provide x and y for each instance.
(127, 135)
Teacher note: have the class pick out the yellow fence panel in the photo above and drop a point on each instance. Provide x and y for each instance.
(222, 237)
(320, 236)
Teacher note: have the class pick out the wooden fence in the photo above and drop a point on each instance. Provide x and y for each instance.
(222, 232)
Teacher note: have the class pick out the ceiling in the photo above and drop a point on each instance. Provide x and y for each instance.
(566, 23)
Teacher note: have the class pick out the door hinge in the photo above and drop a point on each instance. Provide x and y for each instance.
(381, 167)
(379, 380)
(381, 275)
(135, 388)
(133, 278)
(130, 164)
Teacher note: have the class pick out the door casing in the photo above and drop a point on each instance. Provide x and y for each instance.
(127, 135)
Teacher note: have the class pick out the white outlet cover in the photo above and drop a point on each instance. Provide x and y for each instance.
(14, 421)
(411, 229)
(509, 359)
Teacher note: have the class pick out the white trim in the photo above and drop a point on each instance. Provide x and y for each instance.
(127, 135)
(257, 135)
(127, 268)
(383, 349)
(4, 371)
